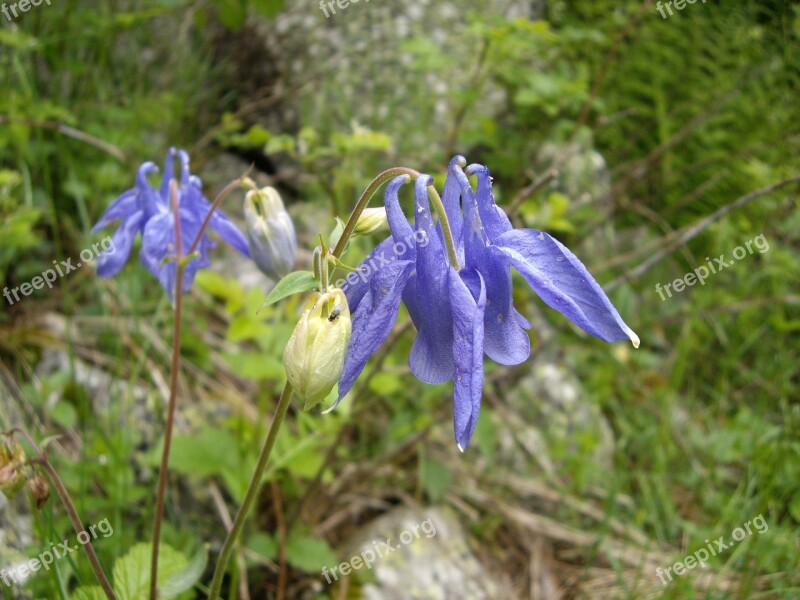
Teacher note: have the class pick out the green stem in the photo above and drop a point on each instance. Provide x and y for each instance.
(447, 233)
(250, 495)
(363, 201)
(41, 459)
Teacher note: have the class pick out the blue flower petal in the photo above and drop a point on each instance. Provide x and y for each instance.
(431, 358)
(123, 207)
(398, 224)
(131, 201)
(167, 176)
(454, 183)
(356, 284)
(495, 221)
(373, 320)
(158, 244)
(563, 282)
(467, 294)
(109, 263)
(506, 341)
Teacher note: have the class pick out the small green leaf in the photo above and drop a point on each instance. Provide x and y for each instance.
(203, 454)
(293, 283)
(232, 13)
(340, 265)
(255, 365)
(267, 8)
(89, 593)
(132, 571)
(336, 234)
(263, 545)
(180, 581)
(64, 414)
(309, 554)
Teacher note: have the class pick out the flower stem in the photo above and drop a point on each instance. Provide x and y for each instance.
(41, 459)
(250, 495)
(173, 397)
(363, 201)
(447, 233)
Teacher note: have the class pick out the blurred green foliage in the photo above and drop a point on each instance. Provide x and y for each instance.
(685, 114)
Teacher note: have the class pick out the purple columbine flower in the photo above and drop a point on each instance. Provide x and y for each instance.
(462, 314)
(147, 210)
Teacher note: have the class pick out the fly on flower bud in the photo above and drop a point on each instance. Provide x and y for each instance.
(270, 232)
(315, 353)
(12, 460)
(371, 219)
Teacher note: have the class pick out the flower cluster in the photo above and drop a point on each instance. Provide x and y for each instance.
(463, 311)
(147, 210)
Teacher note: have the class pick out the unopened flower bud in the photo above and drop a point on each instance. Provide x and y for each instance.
(270, 232)
(39, 489)
(314, 356)
(371, 219)
(12, 460)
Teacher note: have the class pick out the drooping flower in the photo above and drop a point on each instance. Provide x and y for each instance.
(270, 232)
(148, 211)
(462, 313)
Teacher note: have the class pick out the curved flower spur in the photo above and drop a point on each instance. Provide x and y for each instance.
(463, 311)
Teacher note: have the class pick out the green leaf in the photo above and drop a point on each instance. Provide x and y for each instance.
(94, 592)
(268, 8)
(232, 13)
(336, 234)
(263, 545)
(209, 452)
(309, 554)
(187, 577)
(132, 571)
(64, 414)
(247, 327)
(255, 365)
(293, 283)
(229, 290)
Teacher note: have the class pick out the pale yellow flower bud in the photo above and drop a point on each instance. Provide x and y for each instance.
(314, 355)
(371, 219)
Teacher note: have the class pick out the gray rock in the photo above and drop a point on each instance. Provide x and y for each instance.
(552, 419)
(436, 563)
(388, 65)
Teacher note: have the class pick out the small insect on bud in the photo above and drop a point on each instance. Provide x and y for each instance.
(371, 219)
(314, 355)
(270, 232)
(12, 461)
(39, 489)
